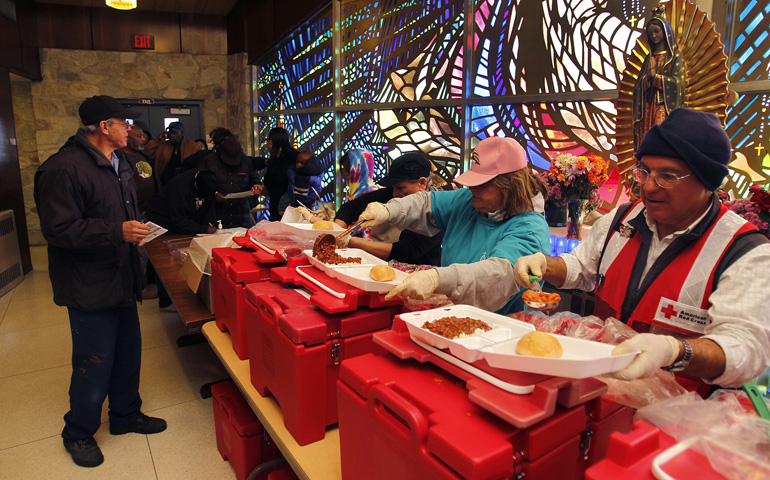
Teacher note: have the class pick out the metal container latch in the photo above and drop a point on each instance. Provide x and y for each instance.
(585, 437)
(334, 337)
(518, 466)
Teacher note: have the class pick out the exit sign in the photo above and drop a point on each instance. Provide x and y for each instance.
(143, 42)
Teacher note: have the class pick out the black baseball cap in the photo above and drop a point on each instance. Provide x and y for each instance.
(175, 126)
(102, 107)
(410, 166)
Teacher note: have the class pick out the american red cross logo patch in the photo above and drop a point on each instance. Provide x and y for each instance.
(669, 311)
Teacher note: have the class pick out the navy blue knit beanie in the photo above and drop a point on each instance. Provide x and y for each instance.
(697, 138)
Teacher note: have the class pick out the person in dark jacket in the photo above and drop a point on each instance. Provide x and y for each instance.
(235, 174)
(186, 204)
(276, 179)
(89, 216)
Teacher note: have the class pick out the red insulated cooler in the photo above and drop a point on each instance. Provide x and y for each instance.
(412, 421)
(295, 350)
(231, 270)
(240, 436)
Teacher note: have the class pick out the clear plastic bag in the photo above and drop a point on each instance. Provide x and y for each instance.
(635, 393)
(734, 440)
(269, 235)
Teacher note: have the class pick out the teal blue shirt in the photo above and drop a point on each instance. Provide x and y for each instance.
(471, 237)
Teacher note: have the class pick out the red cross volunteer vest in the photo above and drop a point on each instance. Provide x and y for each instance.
(674, 295)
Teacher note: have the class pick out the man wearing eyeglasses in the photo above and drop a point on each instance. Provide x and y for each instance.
(676, 266)
(89, 215)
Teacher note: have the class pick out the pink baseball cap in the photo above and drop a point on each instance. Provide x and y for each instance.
(493, 156)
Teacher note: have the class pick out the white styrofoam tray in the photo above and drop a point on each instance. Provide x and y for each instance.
(581, 358)
(305, 230)
(359, 277)
(367, 261)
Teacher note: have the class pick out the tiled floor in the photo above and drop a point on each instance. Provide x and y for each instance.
(35, 351)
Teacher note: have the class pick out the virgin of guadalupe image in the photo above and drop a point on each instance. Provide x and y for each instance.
(660, 85)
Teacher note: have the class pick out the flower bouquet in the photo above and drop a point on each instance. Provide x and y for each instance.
(755, 209)
(574, 181)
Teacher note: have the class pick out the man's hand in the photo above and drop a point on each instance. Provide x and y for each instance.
(656, 351)
(375, 214)
(256, 190)
(134, 231)
(419, 284)
(534, 264)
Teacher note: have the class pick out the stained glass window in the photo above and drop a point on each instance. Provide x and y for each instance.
(429, 76)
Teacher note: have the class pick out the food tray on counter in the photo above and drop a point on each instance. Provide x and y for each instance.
(581, 358)
(305, 230)
(367, 260)
(359, 277)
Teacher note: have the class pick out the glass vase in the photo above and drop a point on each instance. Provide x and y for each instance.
(576, 210)
(556, 216)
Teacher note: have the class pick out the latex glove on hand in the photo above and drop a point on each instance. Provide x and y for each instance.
(417, 285)
(304, 213)
(656, 351)
(342, 242)
(535, 264)
(375, 214)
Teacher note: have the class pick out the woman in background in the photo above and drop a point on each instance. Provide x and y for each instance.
(276, 180)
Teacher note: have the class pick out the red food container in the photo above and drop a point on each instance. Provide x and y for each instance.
(409, 420)
(231, 270)
(329, 294)
(295, 350)
(604, 418)
(284, 472)
(240, 436)
(630, 455)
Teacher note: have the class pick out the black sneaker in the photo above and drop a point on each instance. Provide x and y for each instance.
(144, 424)
(85, 453)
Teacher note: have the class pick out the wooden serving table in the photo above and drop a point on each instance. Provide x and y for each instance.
(317, 461)
(169, 269)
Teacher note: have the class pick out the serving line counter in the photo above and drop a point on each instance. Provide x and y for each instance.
(191, 308)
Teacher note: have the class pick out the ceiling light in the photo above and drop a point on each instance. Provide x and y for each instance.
(121, 4)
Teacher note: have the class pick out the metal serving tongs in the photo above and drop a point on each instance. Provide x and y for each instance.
(351, 230)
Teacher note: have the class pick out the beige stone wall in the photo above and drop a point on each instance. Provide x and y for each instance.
(45, 112)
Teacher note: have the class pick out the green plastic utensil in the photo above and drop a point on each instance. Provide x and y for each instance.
(757, 400)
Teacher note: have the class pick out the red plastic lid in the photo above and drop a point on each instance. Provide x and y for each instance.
(305, 324)
(443, 420)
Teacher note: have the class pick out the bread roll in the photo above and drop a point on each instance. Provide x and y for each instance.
(539, 344)
(323, 225)
(382, 273)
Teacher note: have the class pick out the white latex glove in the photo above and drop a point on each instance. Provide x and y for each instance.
(304, 213)
(375, 214)
(344, 241)
(534, 264)
(419, 284)
(656, 351)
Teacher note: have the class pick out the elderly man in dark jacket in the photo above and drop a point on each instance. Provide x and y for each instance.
(89, 216)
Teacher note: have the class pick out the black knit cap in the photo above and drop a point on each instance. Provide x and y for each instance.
(410, 166)
(102, 107)
(697, 138)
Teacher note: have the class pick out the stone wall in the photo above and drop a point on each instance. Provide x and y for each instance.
(46, 112)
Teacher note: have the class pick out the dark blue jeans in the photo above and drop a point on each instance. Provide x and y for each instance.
(106, 359)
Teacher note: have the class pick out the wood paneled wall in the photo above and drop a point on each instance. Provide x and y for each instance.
(83, 28)
(254, 26)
